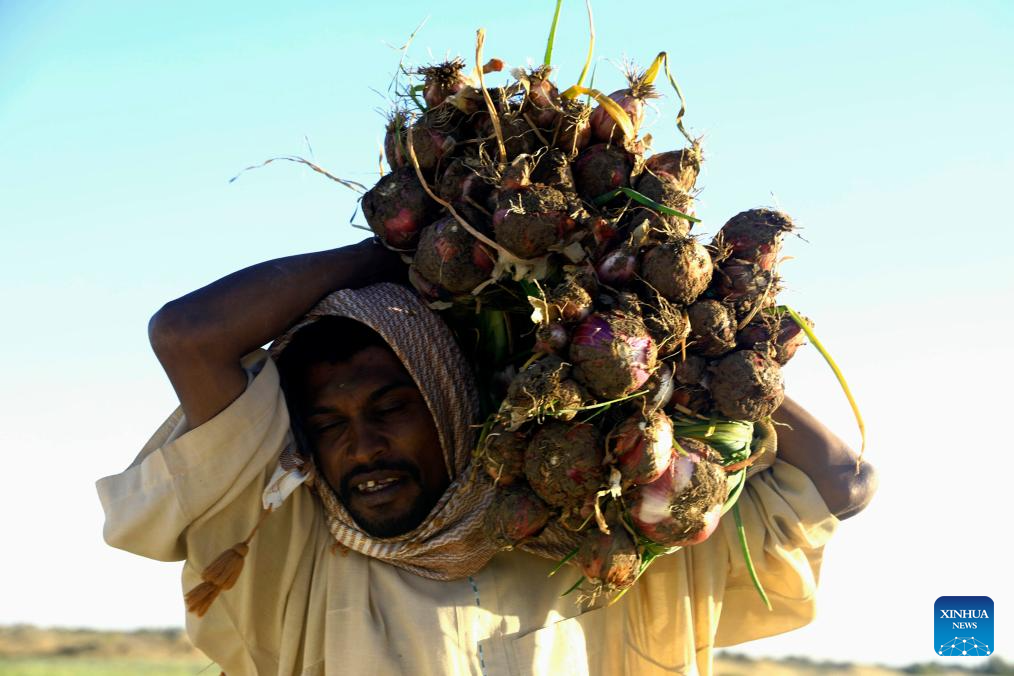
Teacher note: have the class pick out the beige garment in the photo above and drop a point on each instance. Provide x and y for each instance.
(300, 607)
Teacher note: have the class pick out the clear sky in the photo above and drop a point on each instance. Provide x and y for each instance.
(883, 128)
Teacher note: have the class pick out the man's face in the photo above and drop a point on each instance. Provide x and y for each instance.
(375, 439)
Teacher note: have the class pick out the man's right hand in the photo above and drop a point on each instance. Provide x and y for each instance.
(200, 338)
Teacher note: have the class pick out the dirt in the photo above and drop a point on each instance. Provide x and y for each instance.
(448, 256)
(679, 270)
(665, 189)
(613, 354)
(601, 168)
(531, 220)
(503, 454)
(563, 463)
(544, 389)
(712, 328)
(747, 385)
(397, 208)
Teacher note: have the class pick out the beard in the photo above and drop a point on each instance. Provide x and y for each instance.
(389, 524)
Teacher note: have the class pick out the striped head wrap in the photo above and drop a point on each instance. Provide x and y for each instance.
(450, 543)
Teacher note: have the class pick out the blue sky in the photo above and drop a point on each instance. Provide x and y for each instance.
(883, 128)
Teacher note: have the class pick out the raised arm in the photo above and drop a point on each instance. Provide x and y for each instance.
(826, 459)
(200, 338)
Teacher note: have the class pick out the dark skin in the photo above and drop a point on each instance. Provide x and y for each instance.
(375, 440)
(200, 339)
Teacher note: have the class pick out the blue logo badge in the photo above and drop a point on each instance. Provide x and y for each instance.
(963, 626)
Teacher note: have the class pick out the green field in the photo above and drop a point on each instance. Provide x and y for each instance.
(82, 666)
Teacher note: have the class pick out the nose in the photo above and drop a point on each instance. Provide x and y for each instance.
(367, 443)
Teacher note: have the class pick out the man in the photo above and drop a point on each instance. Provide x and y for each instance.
(382, 567)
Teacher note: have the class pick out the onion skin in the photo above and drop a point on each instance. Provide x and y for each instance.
(604, 126)
(683, 164)
(755, 236)
(757, 336)
(541, 103)
(609, 561)
(612, 353)
(552, 338)
(661, 386)
(516, 515)
(683, 506)
(617, 268)
(643, 447)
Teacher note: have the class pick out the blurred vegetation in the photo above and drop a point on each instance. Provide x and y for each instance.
(26, 650)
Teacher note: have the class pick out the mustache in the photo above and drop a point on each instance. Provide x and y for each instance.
(390, 465)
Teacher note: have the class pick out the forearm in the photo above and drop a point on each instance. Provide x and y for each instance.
(200, 338)
(803, 441)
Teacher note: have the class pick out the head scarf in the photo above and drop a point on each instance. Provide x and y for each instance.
(450, 543)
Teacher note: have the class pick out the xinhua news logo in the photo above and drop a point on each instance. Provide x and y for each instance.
(963, 626)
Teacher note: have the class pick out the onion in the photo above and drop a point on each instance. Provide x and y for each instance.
(712, 328)
(543, 389)
(569, 301)
(448, 255)
(691, 371)
(754, 236)
(757, 336)
(679, 270)
(515, 515)
(665, 189)
(530, 220)
(552, 338)
(394, 140)
(553, 169)
(442, 80)
(695, 398)
(430, 143)
(668, 325)
(600, 169)
(617, 267)
(747, 385)
(642, 447)
(661, 386)
(460, 184)
(683, 164)
(682, 506)
(397, 208)
(503, 454)
(609, 561)
(541, 102)
(604, 126)
(612, 353)
(573, 131)
(563, 463)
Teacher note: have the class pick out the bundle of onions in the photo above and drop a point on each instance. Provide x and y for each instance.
(622, 362)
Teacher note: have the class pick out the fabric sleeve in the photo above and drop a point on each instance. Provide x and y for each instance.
(178, 479)
(787, 526)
